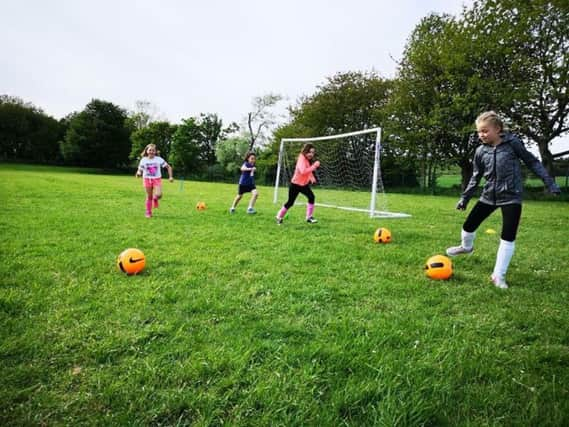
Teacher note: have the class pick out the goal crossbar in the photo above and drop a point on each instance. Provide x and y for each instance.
(327, 138)
(376, 172)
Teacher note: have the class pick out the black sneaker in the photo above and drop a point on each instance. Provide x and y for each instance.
(311, 220)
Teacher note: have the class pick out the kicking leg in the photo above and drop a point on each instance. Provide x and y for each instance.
(479, 213)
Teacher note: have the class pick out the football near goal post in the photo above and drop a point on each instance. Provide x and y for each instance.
(349, 176)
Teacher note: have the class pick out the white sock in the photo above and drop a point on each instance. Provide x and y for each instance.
(467, 239)
(503, 257)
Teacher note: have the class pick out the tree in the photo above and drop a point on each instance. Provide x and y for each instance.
(528, 43)
(262, 118)
(441, 87)
(211, 128)
(159, 133)
(347, 102)
(98, 136)
(184, 155)
(144, 113)
(27, 133)
(231, 152)
(509, 56)
(194, 142)
(7, 99)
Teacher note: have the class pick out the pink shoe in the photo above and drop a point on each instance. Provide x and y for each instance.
(148, 215)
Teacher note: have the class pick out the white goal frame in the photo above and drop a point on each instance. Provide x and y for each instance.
(373, 213)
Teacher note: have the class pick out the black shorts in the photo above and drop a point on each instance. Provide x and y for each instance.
(245, 189)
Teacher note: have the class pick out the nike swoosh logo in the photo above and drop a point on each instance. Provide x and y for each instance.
(135, 259)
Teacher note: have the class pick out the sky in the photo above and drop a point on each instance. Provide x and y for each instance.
(191, 57)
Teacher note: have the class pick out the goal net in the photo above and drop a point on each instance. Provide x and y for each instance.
(349, 176)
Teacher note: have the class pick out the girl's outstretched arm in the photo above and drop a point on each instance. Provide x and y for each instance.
(535, 165)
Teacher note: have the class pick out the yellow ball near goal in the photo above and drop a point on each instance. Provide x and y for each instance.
(382, 235)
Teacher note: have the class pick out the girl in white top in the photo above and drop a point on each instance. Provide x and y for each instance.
(150, 169)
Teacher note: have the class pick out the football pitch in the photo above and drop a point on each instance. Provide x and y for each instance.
(236, 320)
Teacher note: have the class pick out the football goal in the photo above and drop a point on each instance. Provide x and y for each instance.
(349, 176)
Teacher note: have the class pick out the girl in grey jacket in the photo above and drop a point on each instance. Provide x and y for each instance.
(498, 161)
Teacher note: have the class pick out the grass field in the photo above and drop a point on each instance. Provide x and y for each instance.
(239, 321)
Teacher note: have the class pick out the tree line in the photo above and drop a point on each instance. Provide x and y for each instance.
(510, 56)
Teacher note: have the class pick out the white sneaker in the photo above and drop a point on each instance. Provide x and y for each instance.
(499, 283)
(231, 211)
(279, 220)
(251, 211)
(459, 250)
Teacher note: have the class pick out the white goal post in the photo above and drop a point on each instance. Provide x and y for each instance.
(364, 155)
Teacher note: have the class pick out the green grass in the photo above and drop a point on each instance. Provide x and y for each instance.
(238, 321)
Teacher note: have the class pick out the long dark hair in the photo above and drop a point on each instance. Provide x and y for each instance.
(307, 147)
(249, 154)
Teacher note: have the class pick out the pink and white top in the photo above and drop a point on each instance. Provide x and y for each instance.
(151, 168)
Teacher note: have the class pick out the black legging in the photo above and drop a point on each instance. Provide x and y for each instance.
(510, 218)
(293, 191)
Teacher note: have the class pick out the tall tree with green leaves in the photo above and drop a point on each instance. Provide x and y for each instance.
(211, 128)
(159, 133)
(194, 143)
(527, 44)
(184, 155)
(442, 85)
(230, 153)
(421, 95)
(27, 133)
(347, 102)
(98, 136)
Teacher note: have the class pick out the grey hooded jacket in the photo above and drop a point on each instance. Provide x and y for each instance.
(500, 166)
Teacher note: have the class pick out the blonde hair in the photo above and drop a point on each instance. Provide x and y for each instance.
(490, 117)
(143, 154)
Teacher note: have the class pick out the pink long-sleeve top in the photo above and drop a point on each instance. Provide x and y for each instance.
(303, 171)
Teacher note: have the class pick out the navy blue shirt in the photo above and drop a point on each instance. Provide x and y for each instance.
(246, 178)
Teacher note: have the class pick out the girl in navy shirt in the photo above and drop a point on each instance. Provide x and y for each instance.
(247, 184)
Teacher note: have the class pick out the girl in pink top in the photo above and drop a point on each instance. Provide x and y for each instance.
(300, 183)
(149, 169)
